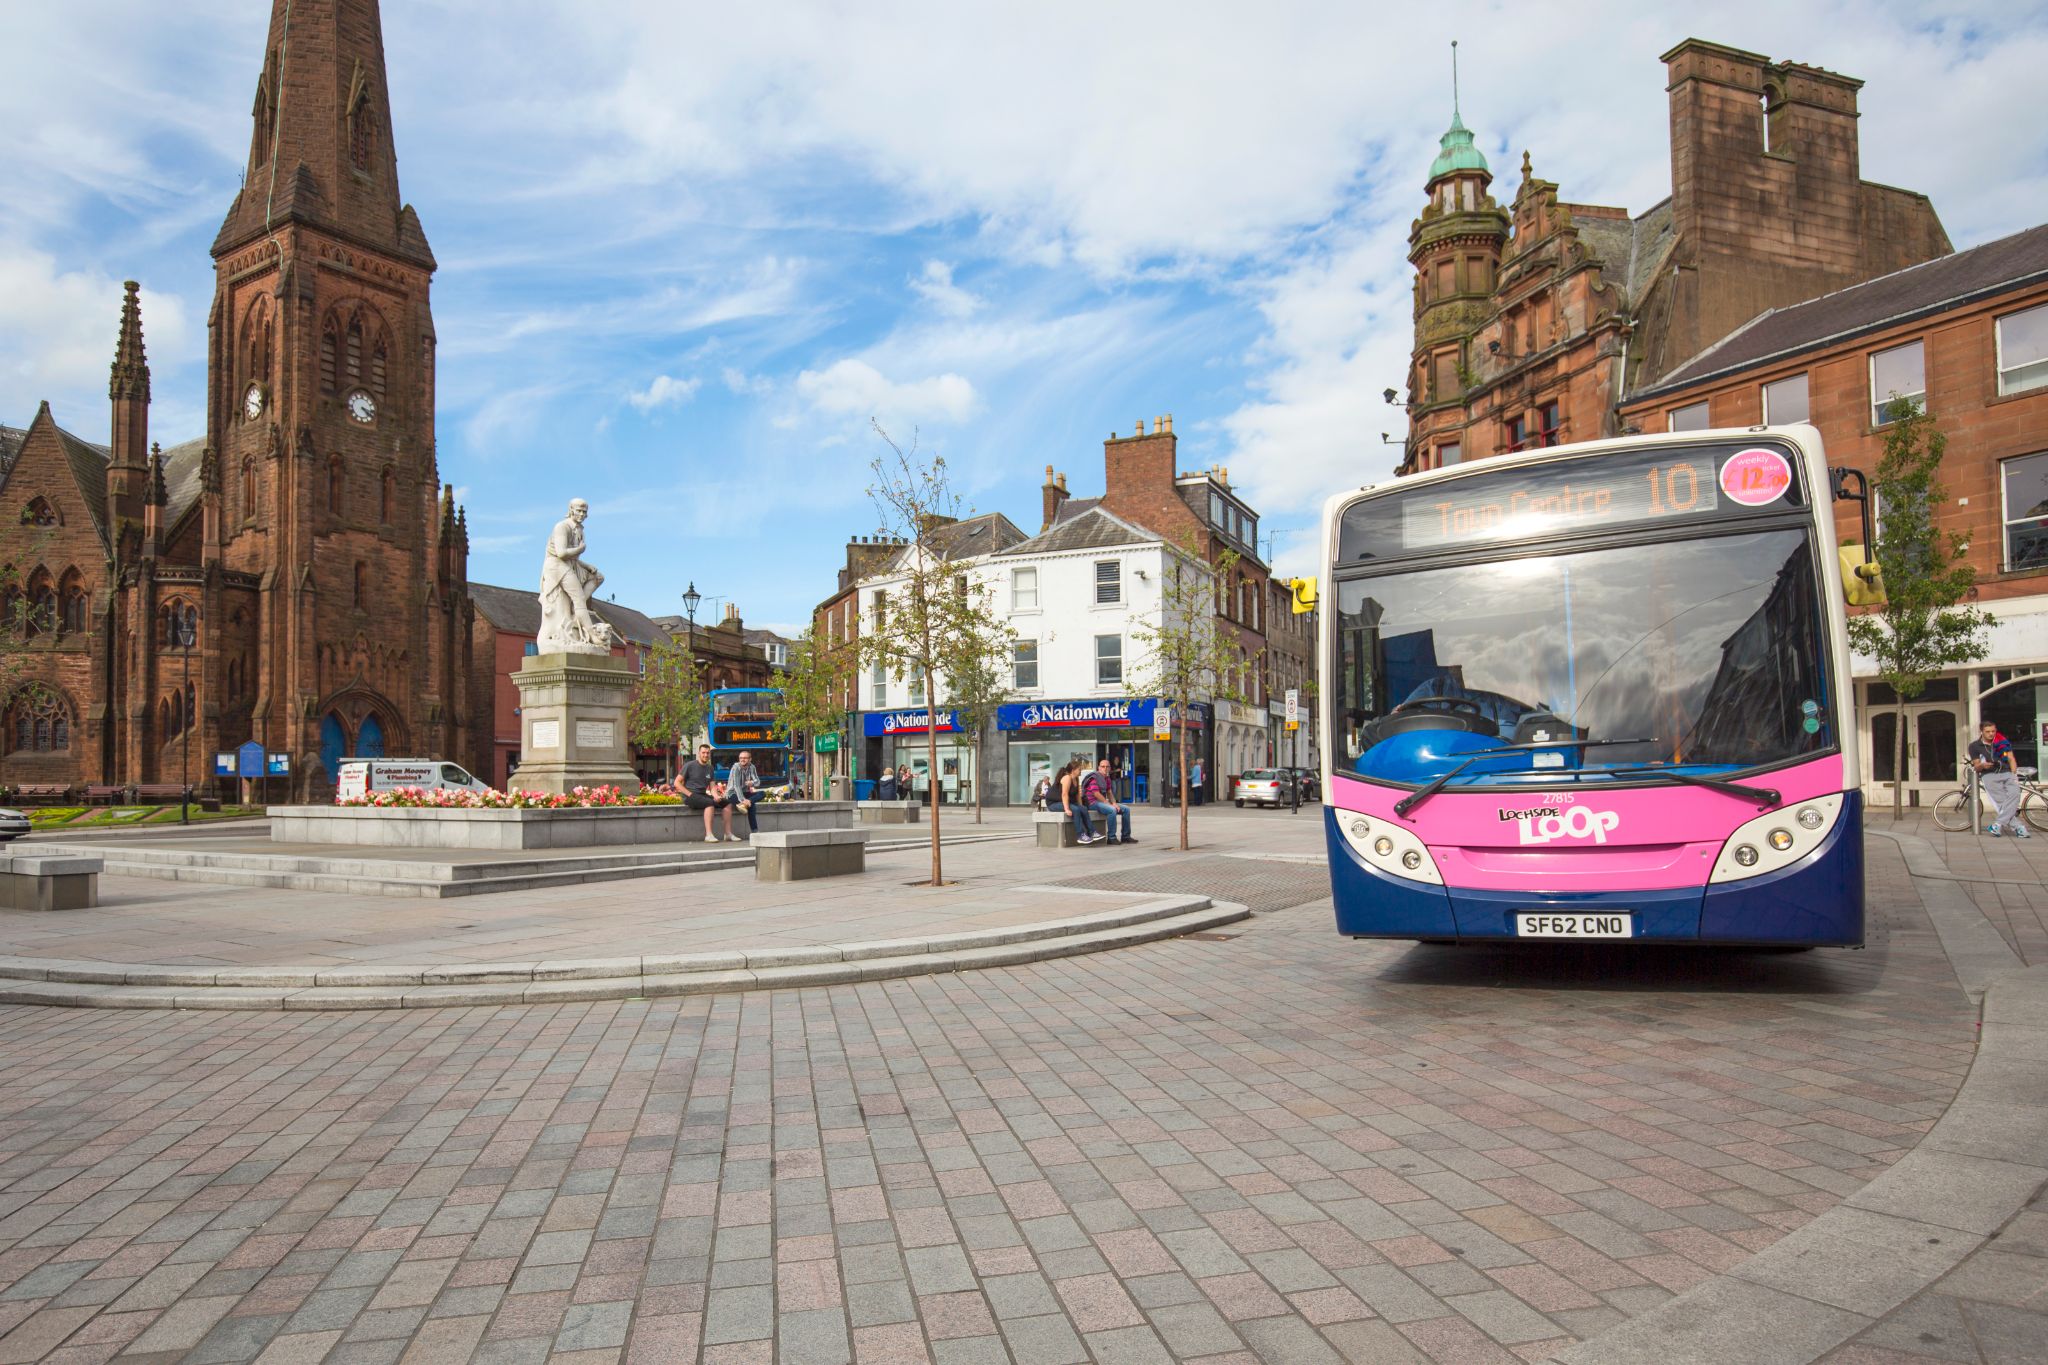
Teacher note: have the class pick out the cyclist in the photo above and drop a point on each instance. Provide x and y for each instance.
(1991, 754)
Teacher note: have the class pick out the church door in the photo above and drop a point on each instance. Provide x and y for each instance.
(370, 737)
(333, 744)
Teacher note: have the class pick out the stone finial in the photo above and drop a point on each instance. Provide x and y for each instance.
(1527, 172)
(153, 493)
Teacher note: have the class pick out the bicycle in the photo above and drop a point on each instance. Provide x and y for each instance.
(1952, 811)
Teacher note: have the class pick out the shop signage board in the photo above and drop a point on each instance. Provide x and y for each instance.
(828, 743)
(1138, 713)
(877, 724)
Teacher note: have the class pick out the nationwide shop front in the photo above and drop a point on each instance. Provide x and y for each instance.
(1043, 735)
(898, 739)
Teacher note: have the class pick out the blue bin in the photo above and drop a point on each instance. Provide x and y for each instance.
(863, 789)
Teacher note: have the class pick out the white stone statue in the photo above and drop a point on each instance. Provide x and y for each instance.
(567, 624)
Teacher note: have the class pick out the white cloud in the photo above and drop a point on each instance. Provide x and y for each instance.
(57, 333)
(664, 392)
(935, 286)
(746, 385)
(854, 388)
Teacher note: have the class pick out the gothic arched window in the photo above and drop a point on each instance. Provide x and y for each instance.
(362, 131)
(249, 487)
(38, 722)
(72, 602)
(39, 513)
(334, 486)
(389, 503)
(330, 346)
(352, 350)
(42, 604)
(177, 620)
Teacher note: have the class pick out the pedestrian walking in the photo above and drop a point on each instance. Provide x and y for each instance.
(1098, 794)
(1991, 755)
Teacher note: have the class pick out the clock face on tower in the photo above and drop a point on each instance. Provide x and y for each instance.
(252, 401)
(362, 407)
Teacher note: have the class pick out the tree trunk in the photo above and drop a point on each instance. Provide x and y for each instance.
(1899, 764)
(979, 774)
(1183, 752)
(931, 773)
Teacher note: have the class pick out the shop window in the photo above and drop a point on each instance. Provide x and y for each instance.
(1024, 590)
(2023, 350)
(1024, 665)
(1549, 425)
(1109, 582)
(1109, 660)
(1691, 417)
(1785, 401)
(2026, 511)
(1897, 376)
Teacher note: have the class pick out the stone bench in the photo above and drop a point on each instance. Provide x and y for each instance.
(31, 881)
(1055, 829)
(795, 855)
(888, 812)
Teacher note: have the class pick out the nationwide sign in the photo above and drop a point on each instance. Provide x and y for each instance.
(1114, 712)
(879, 723)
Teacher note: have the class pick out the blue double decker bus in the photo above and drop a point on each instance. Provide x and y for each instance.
(744, 718)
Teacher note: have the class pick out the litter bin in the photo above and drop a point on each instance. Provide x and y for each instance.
(864, 789)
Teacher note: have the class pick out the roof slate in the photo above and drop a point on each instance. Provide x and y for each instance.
(1094, 529)
(2007, 263)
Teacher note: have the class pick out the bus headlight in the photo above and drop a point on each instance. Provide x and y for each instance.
(1776, 839)
(1383, 846)
(1359, 829)
(1388, 847)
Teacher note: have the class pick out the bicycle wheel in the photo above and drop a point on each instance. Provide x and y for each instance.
(2034, 810)
(1952, 811)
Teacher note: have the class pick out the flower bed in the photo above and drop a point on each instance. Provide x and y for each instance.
(443, 798)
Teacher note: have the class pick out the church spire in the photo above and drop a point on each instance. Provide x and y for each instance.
(130, 377)
(321, 150)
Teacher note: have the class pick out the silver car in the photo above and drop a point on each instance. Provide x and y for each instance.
(13, 824)
(1265, 787)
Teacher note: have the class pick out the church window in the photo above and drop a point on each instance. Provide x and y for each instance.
(362, 577)
(389, 504)
(41, 613)
(72, 602)
(39, 513)
(329, 346)
(334, 486)
(353, 353)
(249, 488)
(38, 722)
(377, 370)
(362, 131)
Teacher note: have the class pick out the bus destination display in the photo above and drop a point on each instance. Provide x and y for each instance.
(1559, 498)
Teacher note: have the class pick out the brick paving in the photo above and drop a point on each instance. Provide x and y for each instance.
(2005, 877)
(1283, 1147)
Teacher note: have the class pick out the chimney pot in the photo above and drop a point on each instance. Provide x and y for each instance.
(1063, 483)
(1141, 428)
(1166, 422)
(1048, 473)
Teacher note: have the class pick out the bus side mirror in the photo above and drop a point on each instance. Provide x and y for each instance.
(1862, 584)
(1303, 592)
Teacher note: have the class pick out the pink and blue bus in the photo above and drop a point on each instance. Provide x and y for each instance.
(1598, 691)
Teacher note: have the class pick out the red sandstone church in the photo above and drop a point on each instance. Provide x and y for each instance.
(305, 540)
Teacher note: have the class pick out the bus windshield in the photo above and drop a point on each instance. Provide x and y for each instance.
(1704, 651)
(743, 706)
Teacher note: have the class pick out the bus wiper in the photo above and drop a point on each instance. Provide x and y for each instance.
(1414, 799)
(1765, 797)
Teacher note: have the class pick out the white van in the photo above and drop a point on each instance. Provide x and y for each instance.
(361, 776)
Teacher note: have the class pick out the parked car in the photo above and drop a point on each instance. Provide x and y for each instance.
(1265, 787)
(13, 824)
(1310, 781)
(361, 776)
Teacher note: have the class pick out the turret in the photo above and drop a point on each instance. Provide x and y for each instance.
(128, 390)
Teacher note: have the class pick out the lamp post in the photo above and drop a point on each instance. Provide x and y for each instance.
(188, 628)
(691, 600)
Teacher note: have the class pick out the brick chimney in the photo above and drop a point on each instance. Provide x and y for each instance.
(1138, 473)
(1054, 496)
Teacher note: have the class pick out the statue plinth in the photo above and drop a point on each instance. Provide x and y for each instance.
(572, 723)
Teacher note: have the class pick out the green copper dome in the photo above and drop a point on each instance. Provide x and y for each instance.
(1456, 152)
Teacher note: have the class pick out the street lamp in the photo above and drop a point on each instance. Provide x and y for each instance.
(187, 622)
(691, 599)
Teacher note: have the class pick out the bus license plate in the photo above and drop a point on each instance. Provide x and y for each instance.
(1574, 926)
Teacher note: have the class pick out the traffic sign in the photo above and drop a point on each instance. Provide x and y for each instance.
(1293, 707)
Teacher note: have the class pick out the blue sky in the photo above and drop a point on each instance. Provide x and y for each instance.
(689, 250)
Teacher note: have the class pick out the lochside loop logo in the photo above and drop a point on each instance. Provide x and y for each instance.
(1576, 822)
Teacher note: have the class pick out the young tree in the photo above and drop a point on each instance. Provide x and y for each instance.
(671, 704)
(1923, 627)
(812, 685)
(925, 611)
(978, 668)
(1182, 656)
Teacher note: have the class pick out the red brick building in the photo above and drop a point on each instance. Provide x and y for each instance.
(1967, 335)
(1532, 320)
(305, 539)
